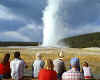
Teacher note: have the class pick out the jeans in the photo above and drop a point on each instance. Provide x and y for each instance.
(1, 76)
(59, 76)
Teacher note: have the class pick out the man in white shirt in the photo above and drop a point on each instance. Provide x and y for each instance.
(17, 67)
(37, 65)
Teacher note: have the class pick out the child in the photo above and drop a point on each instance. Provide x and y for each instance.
(87, 71)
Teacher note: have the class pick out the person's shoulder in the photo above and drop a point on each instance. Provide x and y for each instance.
(12, 61)
(85, 68)
(1, 64)
(37, 60)
(43, 70)
(53, 71)
(65, 74)
(22, 61)
(89, 67)
(57, 60)
(41, 61)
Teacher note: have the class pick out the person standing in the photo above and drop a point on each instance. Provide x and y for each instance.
(37, 65)
(17, 67)
(73, 73)
(87, 71)
(59, 65)
(5, 67)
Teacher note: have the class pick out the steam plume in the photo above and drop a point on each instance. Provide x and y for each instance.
(54, 26)
(64, 18)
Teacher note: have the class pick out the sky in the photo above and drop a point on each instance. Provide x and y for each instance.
(21, 20)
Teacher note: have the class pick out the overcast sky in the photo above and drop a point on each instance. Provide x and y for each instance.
(21, 20)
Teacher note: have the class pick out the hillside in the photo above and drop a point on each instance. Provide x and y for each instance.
(83, 41)
(5, 44)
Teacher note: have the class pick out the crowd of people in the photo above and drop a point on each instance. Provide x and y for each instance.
(44, 70)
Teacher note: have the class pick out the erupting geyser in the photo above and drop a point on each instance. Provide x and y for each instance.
(54, 23)
(64, 18)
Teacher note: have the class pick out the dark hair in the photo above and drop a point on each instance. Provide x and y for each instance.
(6, 59)
(17, 55)
(85, 64)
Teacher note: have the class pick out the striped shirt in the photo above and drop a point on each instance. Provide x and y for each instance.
(72, 75)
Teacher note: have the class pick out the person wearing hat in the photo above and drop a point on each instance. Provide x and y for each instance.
(59, 65)
(73, 73)
(37, 65)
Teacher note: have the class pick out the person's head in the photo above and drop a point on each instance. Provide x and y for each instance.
(49, 64)
(17, 54)
(38, 56)
(85, 64)
(6, 58)
(75, 62)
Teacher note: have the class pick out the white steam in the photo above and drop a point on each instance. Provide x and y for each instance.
(54, 25)
(64, 18)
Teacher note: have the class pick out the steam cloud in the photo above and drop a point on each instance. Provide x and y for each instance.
(63, 18)
(54, 24)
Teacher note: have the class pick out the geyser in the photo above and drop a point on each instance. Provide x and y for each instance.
(54, 23)
(64, 18)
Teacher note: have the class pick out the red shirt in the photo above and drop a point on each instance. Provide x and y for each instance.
(4, 69)
(1, 69)
(7, 68)
(45, 74)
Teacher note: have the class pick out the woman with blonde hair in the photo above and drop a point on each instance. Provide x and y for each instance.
(48, 73)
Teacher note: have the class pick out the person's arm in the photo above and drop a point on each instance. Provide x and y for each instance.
(64, 67)
(12, 70)
(56, 76)
(62, 77)
(33, 70)
(42, 64)
(82, 71)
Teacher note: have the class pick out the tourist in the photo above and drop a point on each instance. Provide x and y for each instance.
(37, 65)
(73, 73)
(59, 65)
(48, 73)
(17, 67)
(87, 71)
(5, 67)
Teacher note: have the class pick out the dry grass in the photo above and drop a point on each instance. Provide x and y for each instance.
(29, 56)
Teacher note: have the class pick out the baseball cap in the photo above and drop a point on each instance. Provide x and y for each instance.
(75, 61)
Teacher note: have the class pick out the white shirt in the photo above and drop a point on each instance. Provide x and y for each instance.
(37, 65)
(87, 71)
(17, 68)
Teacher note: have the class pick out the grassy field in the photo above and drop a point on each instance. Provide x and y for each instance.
(28, 54)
